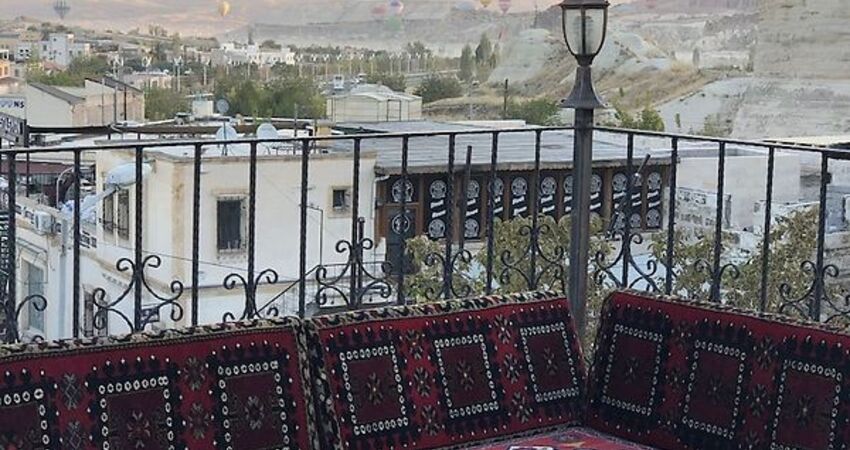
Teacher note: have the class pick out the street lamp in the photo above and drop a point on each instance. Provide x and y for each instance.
(585, 23)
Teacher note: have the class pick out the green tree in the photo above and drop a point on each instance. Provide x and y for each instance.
(540, 111)
(651, 120)
(648, 119)
(396, 82)
(270, 44)
(467, 64)
(94, 67)
(437, 87)
(483, 51)
(163, 104)
(793, 241)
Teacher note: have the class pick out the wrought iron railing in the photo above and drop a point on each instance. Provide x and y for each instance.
(467, 253)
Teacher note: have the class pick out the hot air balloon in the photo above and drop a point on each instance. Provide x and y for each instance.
(505, 6)
(396, 7)
(379, 11)
(62, 8)
(486, 3)
(224, 9)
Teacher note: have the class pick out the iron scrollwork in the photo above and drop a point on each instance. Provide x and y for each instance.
(362, 283)
(138, 280)
(251, 311)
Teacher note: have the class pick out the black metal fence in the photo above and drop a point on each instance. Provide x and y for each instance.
(638, 240)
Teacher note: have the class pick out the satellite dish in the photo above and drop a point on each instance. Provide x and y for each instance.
(222, 106)
(226, 132)
(267, 131)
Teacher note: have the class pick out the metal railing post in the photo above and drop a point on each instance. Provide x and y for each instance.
(580, 216)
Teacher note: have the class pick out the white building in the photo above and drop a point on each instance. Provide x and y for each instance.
(62, 48)
(373, 103)
(154, 79)
(231, 53)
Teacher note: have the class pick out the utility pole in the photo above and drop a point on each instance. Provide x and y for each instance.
(505, 103)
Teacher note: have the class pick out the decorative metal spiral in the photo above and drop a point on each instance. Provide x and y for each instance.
(103, 307)
(250, 311)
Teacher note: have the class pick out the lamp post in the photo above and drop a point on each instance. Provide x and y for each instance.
(584, 24)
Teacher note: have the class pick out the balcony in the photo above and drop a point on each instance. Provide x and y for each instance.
(156, 234)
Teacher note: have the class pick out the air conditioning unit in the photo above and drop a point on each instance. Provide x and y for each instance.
(43, 222)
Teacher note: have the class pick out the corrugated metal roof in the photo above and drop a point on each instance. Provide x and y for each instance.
(58, 93)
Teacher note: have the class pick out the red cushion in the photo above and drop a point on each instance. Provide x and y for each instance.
(446, 374)
(572, 438)
(684, 375)
(238, 385)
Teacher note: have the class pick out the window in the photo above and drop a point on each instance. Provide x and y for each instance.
(122, 222)
(35, 286)
(109, 213)
(341, 199)
(230, 224)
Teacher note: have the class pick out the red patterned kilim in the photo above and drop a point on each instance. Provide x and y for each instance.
(238, 386)
(570, 439)
(447, 374)
(684, 375)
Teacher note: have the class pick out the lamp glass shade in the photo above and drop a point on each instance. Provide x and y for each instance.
(584, 30)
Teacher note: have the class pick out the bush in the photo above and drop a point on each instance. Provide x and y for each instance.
(436, 87)
(397, 83)
(541, 111)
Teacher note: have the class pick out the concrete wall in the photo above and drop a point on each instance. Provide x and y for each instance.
(745, 181)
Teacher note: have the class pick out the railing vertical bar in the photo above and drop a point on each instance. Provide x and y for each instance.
(407, 223)
(138, 323)
(251, 309)
(196, 231)
(765, 247)
(450, 207)
(12, 326)
(491, 213)
(302, 251)
(355, 256)
(534, 237)
(75, 321)
(717, 271)
(627, 211)
(820, 273)
(29, 175)
(671, 218)
(464, 195)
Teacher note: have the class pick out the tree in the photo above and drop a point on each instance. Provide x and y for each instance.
(540, 111)
(793, 240)
(271, 45)
(437, 87)
(483, 51)
(75, 75)
(649, 119)
(396, 82)
(467, 64)
(163, 104)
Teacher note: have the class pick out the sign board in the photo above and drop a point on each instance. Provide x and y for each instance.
(13, 129)
(13, 103)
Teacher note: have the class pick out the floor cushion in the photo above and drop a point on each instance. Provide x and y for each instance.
(677, 374)
(236, 386)
(446, 374)
(571, 438)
